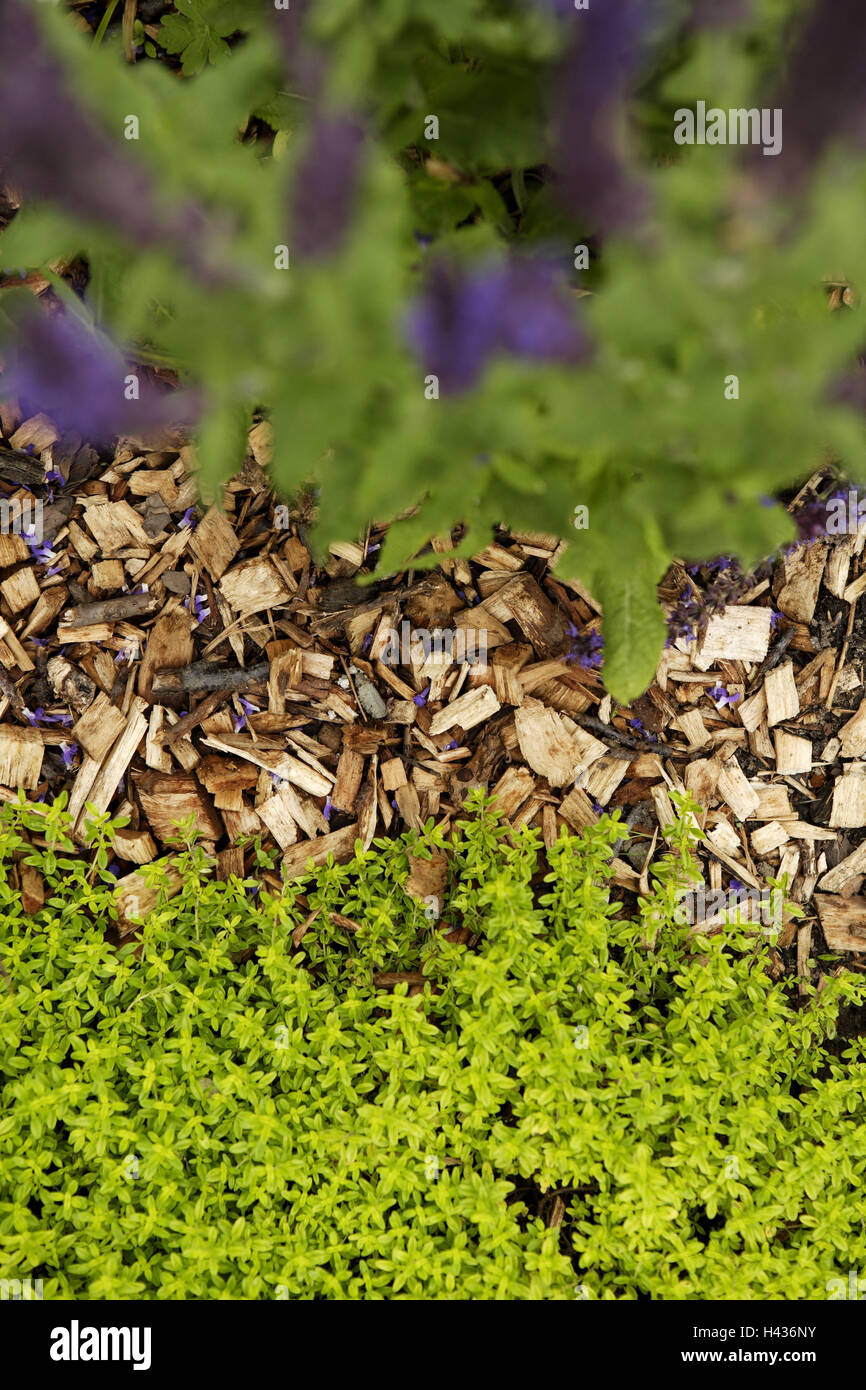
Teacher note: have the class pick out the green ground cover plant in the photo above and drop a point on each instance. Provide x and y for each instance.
(370, 224)
(212, 1113)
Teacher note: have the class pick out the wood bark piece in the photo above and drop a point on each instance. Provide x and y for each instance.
(741, 633)
(852, 735)
(547, 745)
(169, 644)
(849, 798)
(774, 802)
(768, 838)
(275, 814)
(604, 778)
(18, 467)
(281, 764)
(427, 879)
(803, 570)
(168, 800)
(135, 846)
(135, 900)
(467, 711)
(70, 684)
(213, 542)
(843, 921)
(340, 843)
(99, 727)
(793, 754)
(253, 586)
(110, 610)
(21, 754)
(45, 610)
(286, 670)
(11, 651)
(835, 879)
(204, 675)
(512, 790)
(32, 888)
(97, 781)
(735, 791)
(114, 526)
(783, 702)
(20, 590)
(522, 600)
(350, 770)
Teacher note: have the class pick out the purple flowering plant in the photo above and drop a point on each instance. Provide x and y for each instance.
(456, 257)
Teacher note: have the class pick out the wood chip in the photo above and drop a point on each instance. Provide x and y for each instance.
(849, 798)
(793, 754)
(466, 711)
(783, 702)
(843, 921)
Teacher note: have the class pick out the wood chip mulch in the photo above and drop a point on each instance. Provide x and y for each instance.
(161, 660)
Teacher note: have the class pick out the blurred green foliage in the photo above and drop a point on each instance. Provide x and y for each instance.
(717, 281)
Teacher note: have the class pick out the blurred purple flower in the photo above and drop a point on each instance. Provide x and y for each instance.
(464, 318)
(78, 378)
(68, 752)
(421, 698)
(304, 66)
(327, 808)
(325, 186)
(53, 149)
(589, 107)
(822, 91)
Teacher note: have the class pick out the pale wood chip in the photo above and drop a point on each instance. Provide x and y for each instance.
(849, 798)
(843, 921)
(783, 702)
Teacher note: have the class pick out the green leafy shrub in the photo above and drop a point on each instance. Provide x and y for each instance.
(642, 433)
(209, 1114)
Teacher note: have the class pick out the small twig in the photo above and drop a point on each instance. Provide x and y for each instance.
(831, 693)
(773, 657)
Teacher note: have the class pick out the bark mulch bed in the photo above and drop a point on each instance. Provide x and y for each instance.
(161, 660)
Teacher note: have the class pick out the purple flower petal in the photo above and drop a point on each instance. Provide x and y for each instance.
(822, 92)
(594, 82)
(53, 149)
(78, 378)
(463, 319)
(325, 186)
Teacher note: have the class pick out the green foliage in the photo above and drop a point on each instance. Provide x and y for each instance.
(207, 1113)
(643, 435)
(198, 31)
